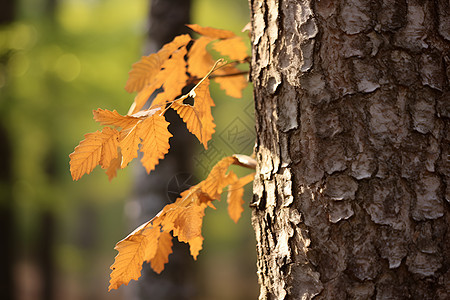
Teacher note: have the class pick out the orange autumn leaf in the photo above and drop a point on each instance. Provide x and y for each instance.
(231, 80)
(174, 76)
(152, 241)
(139, 246)
(212, 32)
(143, 95)
(178, 65)
(128, 262)
(155, 140)
(185, 218)
(111, 171)
(199, 59)
(235, 194)
(129, 145)
(163, 250)
(144, 71)
(195, 245)
(232, 85)
(113, 118)
(97, 148)
(215, 182)
(198, 118)
(234, 48)
(188, 225)
(153, 136)
(151, 72)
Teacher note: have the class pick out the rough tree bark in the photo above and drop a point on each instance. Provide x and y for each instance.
(351, 196)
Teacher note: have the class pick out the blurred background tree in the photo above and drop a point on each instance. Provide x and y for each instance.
(59, 60)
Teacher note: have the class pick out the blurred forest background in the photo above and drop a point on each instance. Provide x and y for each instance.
(59, 60)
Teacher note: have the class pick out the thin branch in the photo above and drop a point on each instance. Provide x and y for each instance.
(229, 75)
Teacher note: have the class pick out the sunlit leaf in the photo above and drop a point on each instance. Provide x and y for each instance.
(97, 148)
(212, 32)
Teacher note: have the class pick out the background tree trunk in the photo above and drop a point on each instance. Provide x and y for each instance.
(351, 196)
(152, 192)
(7, 284)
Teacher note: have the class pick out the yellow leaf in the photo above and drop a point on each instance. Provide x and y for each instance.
(113, 118)
(99, 147)
(144, 71)
(129, 145)
(212, 32)
(143, 95)
(174, 76)
(188, 225)
(195, 246)
(198, 118)
(163, 251)
(185, 217)
(199, 59)
(215, 181)
(132, 253)
(235, 193)
(231, 84)
(155, 140)
(152, 241)
(234, 48)
(111, 171)
(109, 146)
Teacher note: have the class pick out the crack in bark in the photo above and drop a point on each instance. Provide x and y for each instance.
(356, 148)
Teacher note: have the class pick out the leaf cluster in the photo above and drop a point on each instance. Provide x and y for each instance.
(152, 241)
(180, 64)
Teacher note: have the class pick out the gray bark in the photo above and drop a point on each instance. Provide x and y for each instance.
(351, 195)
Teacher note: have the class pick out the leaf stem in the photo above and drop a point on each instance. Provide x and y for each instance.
(229, 75)
(192, 91)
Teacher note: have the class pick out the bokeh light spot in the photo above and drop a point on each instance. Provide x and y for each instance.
(68, 67)
(18, 64)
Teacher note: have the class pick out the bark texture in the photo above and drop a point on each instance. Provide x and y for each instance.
(351, 195)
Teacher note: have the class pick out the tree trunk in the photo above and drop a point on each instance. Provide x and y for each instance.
(351, 195)
(7, 221)
(152, 192)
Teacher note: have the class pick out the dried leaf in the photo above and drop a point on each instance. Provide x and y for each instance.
(215, 182)
(147, 131)
(199, 59)
(111, 171)
(198, 118)
(235, 194)
(152, 241)
(234, 48)
(163, 250)
(99, 147)
(174, 76)
(113, 118)
(212, 32)
(233, 85)
(195, 246)
(143, 95)
(129, 145)
(132, 253)
(155, 140)
(145, 71)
